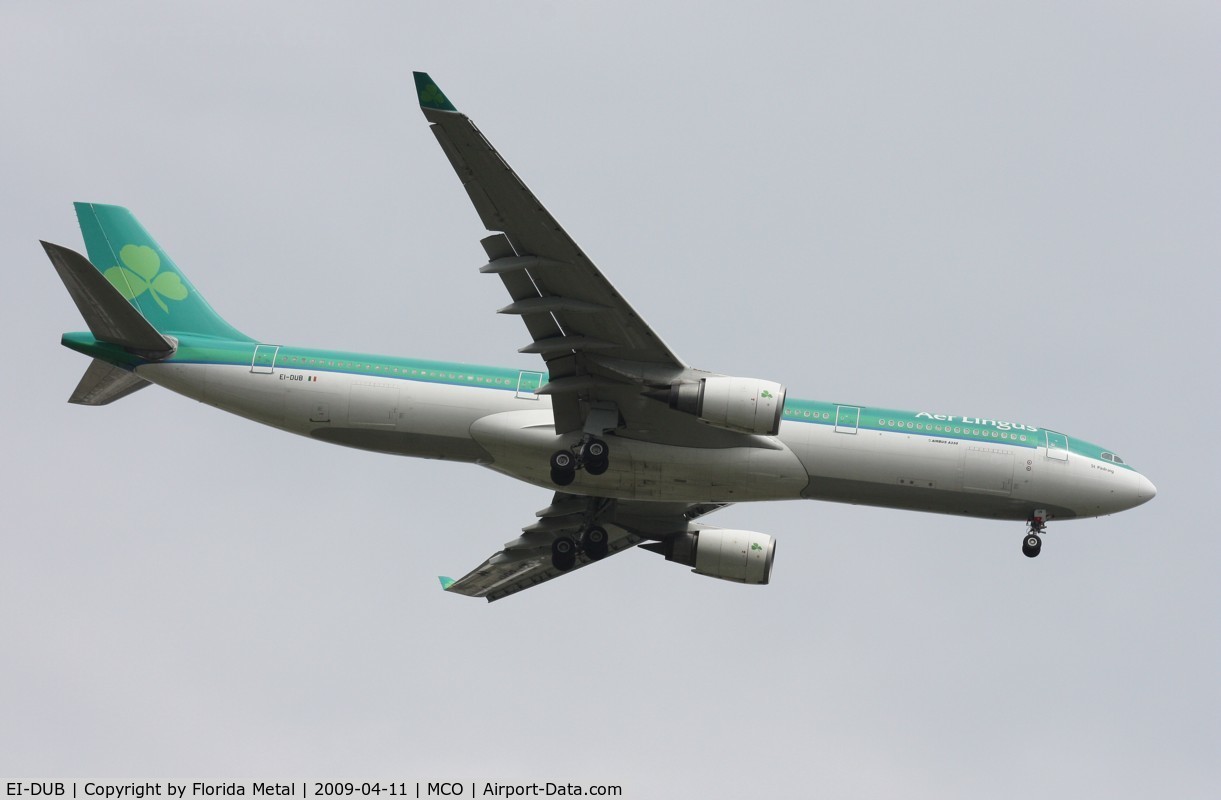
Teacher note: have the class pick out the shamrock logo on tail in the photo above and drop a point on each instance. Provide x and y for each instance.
(431, 96)
(141, 272)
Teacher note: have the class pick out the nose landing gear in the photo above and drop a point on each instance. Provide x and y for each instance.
(1033, 543)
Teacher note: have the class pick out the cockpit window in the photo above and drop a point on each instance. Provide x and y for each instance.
(1112, 458)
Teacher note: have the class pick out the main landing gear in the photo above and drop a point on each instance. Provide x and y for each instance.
(594, 543)
(1033, 543)
(590, 454)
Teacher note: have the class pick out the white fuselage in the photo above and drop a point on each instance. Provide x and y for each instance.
(513, 433)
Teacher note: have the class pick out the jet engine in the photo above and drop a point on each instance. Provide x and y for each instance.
(747, 405)
(739, 556)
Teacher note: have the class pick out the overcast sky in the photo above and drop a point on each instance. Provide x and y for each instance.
(1007, 210)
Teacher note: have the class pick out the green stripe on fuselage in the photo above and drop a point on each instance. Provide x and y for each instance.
(919, 423)
(923, 423)
(207, 350)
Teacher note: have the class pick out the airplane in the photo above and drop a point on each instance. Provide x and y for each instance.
(637, 446)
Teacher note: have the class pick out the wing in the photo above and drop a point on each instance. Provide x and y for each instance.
(526, 561)
(595, 345)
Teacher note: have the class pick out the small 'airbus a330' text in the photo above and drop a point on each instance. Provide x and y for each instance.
(636, 445)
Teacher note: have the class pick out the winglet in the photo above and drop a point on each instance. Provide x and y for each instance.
(431, 96)
(445, 582)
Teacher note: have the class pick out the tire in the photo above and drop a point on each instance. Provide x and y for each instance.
(1031, 546)
(595, 450)
(563, 477)
(562, 459)
(597, 467)
(563, 553)
(597, 543)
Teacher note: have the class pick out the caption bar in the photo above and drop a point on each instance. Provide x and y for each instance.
(62, 790)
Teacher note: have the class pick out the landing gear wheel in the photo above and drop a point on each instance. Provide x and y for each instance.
(595, 455)
(563, 468)
(563, 553)
(1031, 545)
(596, 543)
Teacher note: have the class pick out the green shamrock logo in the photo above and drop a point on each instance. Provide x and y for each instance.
(431, 96)
(756, 546)
(766, 393)
(141, 272)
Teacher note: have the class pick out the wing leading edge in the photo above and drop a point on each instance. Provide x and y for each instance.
(580, 325)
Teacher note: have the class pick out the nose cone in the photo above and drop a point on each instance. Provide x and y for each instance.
(1145, 490)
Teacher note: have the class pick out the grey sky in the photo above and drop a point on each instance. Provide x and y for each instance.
(983, 209)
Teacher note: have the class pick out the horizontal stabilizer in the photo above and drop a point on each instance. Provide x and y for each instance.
(104, 383)
(110, 317)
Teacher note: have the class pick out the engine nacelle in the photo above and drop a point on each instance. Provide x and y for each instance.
(747, 405)
(739, 556)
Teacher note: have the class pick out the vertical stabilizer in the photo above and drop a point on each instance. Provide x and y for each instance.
(146, 276)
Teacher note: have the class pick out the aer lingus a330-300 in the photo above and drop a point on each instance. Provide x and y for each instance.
(636, 445)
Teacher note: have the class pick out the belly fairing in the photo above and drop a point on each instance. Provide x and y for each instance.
(521, 444)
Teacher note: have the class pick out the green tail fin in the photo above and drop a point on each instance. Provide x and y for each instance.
(136, 265)
(430, 96)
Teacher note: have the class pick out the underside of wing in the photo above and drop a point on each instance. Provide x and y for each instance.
(508, 572)
(570, 520)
